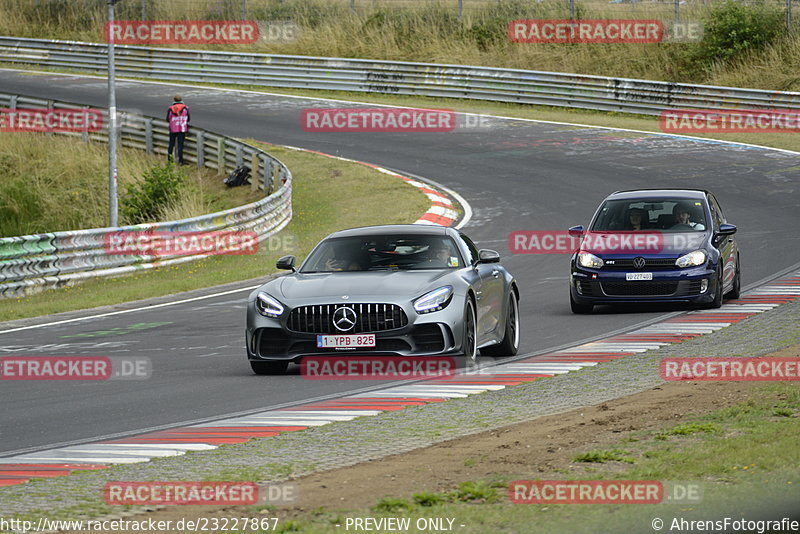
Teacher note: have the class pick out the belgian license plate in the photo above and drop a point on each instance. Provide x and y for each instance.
(346, 341)
(638, 276)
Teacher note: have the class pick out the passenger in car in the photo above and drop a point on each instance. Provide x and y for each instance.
(637, 219)
(683, 217)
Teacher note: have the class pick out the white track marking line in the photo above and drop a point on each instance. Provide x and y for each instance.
(418, 393)
(120, 312)
(88, 459)
(273, 422)
(156, 446)
(147, 453)
(355, 413)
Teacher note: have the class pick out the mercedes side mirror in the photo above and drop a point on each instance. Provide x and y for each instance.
(488, 256)
(286, 263)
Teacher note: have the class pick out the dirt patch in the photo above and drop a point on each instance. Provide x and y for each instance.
(546, 445)
(526, 449)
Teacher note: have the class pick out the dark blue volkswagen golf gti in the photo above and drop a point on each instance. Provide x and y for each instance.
(660, 245)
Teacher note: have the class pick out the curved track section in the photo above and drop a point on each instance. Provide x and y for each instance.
(516, 174)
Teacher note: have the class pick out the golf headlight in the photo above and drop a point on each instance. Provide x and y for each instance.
(435, 300)
(585, 259)
(692, 259)
(268, 306)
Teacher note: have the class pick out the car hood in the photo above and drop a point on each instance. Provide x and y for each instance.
(373, 284)
(643, 243)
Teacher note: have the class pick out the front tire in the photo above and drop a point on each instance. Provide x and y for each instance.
(470, 342)
(269, 368)
(578, 307)
(717, 302)
(736, 290)
(510, 344)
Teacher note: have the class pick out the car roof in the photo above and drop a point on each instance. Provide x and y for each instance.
(658, 193)
(415, 229)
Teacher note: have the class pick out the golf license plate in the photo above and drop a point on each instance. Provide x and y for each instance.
(346, 341)
(638, 276)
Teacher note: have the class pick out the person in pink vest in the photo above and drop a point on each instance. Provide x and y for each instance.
(178, 119)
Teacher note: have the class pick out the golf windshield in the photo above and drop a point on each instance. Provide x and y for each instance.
(661, 215)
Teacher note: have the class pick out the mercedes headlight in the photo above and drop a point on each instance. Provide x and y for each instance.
(435, 300)
(586, 259)
(692, 259)
(268, 306)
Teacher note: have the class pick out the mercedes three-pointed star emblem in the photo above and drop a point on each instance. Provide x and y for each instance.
(344, 318)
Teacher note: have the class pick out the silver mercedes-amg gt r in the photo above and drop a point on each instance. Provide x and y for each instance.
(395, 290)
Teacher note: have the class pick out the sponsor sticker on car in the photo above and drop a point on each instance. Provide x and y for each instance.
(346, 341)
(638, 276)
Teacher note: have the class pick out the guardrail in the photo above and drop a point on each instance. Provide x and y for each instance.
(33, 262)
(391, 77)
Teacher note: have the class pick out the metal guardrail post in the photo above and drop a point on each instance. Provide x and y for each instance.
(200, 148)
(239, 156)
(148, 135)
(13, 103)
(273, 171)
(221, 156)
(266, 174)
(255, 175)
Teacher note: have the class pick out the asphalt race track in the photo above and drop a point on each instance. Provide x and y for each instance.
(517, 175)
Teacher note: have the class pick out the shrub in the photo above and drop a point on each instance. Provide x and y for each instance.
(144, 201)
(733, 28)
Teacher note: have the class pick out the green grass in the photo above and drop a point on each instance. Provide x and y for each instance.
(687, 429)
(601, 457)
(328, 195)
(747, 461)
(58, 183)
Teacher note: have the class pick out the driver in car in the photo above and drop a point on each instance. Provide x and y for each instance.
(439, 255)
(683, 217)
(344, 260)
